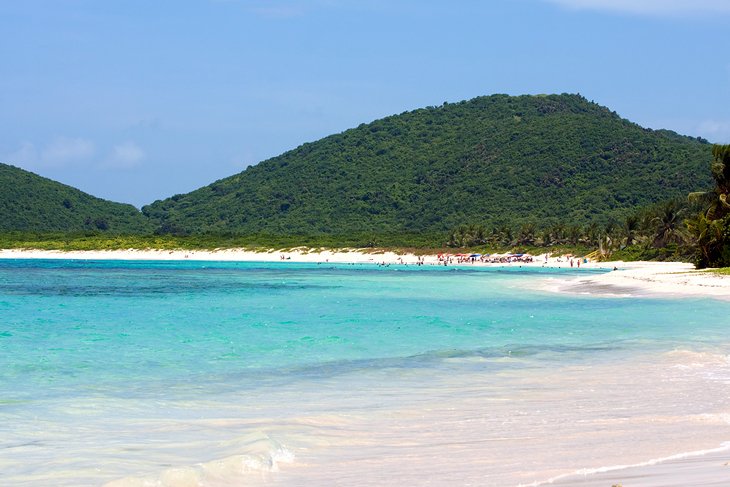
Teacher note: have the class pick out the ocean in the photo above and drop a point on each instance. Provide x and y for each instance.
(181, 373)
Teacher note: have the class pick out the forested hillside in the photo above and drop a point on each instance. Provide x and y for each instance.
(491, 160)
(29, 202)
(496, 161)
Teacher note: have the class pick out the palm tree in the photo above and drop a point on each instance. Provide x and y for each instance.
(574, 234)
(710, 228)
(526, 235)
(547, 236)
(467, 236)
(717, 199)
(668, 225)
(709, 236)
(505, 235)
(593, 234)
(630, 228)
(559, 233)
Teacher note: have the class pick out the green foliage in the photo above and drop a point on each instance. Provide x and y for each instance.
(524, 163)
(668, 224)
(655, 232)
(467, 236)
(549, 173)
(29, 202)
(723, 271)
(716, 200)
(104, 241)
(710, 229)
(711, 239)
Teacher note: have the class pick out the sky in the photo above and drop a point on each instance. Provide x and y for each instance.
(135, 101)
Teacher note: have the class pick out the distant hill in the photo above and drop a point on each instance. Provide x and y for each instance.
(29, 202)
(495, 160)
(490, 160)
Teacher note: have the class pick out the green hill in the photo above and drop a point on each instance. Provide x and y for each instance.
(29, 202)
(490, 160)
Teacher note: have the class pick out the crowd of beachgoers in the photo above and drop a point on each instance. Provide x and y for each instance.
(484, 258)
(457, 259)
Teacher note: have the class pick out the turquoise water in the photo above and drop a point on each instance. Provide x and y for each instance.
(102, 362)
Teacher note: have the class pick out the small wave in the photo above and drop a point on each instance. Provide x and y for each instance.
(503, 354)
(262, 457)
(691, 358)
(598, 470)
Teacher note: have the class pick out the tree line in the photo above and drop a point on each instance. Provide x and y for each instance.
(695, 228)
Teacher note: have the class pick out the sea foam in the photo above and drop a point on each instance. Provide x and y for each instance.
(261, 459)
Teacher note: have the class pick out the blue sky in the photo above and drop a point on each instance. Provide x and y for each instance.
(137, 100)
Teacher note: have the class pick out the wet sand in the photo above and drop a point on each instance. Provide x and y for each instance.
(671, 279)
(704, 469)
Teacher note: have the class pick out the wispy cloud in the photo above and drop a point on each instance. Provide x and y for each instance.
(278, 11)
(717, 131)
(69, 152)
(125, 156)
(650, 7)
(285, 9)
(25, 156)
(59, 152)
(64, 151)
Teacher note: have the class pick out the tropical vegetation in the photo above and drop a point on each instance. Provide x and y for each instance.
(710, 228)
(499, 160)
(533, 173)
(32, 203)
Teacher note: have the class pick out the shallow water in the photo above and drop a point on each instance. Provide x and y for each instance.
(190, 373)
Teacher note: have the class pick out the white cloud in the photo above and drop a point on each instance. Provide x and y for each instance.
(65, 151)
(717, 131)
(23, 157)
(60, 152)
(278, 11)
(125, 156)
(650, 7)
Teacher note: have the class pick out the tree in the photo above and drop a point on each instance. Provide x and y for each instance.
(711, 229)
(526, 235)
(467, 236)
(668, 225)
(709, 237)
(717, 200)
(630, 229)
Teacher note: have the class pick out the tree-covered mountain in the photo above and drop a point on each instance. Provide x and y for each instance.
(490, 160)
(496, 161)
(29, 202)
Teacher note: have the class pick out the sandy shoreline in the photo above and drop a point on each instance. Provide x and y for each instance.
(302, 255)
(628, 278)
(707, 468)
(669, 279)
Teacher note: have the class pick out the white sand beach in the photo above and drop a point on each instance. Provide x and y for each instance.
(625, 278)
(709, 468)
(227, 255)
(649, 278)
(300, 254)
